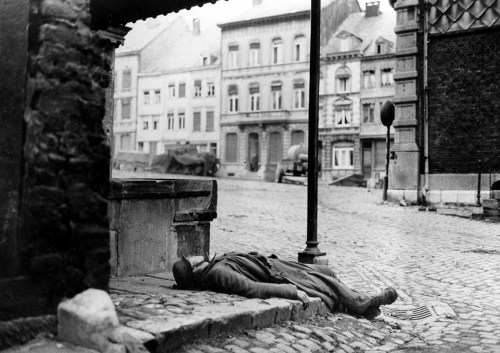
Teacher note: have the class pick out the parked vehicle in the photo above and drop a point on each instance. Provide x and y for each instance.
(294, 165)
(131, 160)
(186, 160)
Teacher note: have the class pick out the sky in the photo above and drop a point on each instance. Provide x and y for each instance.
(225, 10)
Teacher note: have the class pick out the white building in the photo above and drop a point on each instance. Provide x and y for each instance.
(179, 90)
(126, 68)
(173, 96)
(356, 78)
(265, 81)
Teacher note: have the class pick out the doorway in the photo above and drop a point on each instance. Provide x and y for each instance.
(253, 152)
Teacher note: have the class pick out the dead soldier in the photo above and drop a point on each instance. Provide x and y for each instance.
(255, 276)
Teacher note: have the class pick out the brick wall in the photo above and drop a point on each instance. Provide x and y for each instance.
(464, 101)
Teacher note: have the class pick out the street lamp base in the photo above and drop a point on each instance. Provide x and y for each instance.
(317, 258)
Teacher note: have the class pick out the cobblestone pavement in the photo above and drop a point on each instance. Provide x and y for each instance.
(446, 269)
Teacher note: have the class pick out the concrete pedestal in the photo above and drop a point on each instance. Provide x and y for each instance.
(155, 222)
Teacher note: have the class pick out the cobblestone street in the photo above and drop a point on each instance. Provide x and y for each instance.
(446, 269)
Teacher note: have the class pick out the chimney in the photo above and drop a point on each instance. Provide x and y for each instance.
(196, 26)
(257, 2)
(372, 9)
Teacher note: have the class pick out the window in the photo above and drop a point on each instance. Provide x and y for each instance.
(254, 54)
(254, 97)
(233, 98)
(298, 137)
(368, 113)
(182, 90)
(170, 120)
(343, 77)
(343, 115)
(197, 121)
(231, 148)
(140, 146)
(145, 125)
(386, 78)
(210, 121)
(343, 157)
(299, 48)
(197, 88)
(345, 44)
(182, 120)
(299, 94)
(171, 90)
(276, 95)
(381, 48)
(155, 124)
(210, 89)
(369, 79)
(277, 51)
(125, 108)
(233, 58)
(204, 60)
(126, 79)
(213, 148)
(157, 96)
(146, 97)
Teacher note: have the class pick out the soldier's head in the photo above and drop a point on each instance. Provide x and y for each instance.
(183, 274)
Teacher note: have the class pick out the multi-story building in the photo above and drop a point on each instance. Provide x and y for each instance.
(167, 88)
(377, 87)
(356, 77)
(179, 91)
(265, 81)
(126, 67)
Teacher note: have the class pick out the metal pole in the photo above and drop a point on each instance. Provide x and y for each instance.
(479, 182)
(312, 250)
(387, 155)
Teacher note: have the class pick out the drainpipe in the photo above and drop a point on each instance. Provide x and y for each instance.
(426, 107)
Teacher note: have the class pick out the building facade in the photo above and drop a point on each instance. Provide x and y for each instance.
(447, 140)
(125, 101)
(357, 69)
(265, 82)
(175, 95)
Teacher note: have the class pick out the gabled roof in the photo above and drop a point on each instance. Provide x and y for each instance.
(273, 8)
(143, 32)
(179, 48)
(367, 29)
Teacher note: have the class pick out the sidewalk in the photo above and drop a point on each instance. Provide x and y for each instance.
(176, 317)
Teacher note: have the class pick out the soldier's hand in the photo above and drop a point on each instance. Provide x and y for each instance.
(302, 296)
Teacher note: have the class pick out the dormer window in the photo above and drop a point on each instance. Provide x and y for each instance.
(345, 44)
(205, 60)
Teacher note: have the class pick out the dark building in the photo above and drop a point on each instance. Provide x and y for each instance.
(447, 127)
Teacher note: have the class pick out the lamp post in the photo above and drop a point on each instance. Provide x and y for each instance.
(312, 251)
(387, 117)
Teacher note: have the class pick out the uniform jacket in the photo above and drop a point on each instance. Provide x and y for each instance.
(255, 276)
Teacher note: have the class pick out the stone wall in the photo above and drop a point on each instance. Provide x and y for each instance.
(66, 151)
(464, 101)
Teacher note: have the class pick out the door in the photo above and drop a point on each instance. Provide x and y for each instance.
(275, 147)
(253, 152)
(367, 159)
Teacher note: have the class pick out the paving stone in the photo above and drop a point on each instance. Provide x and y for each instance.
(235, 349)
(309, 344)
(285, 348)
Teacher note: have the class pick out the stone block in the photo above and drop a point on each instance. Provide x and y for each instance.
(85, 319)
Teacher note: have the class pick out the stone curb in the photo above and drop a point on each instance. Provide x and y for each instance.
(215, 319)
